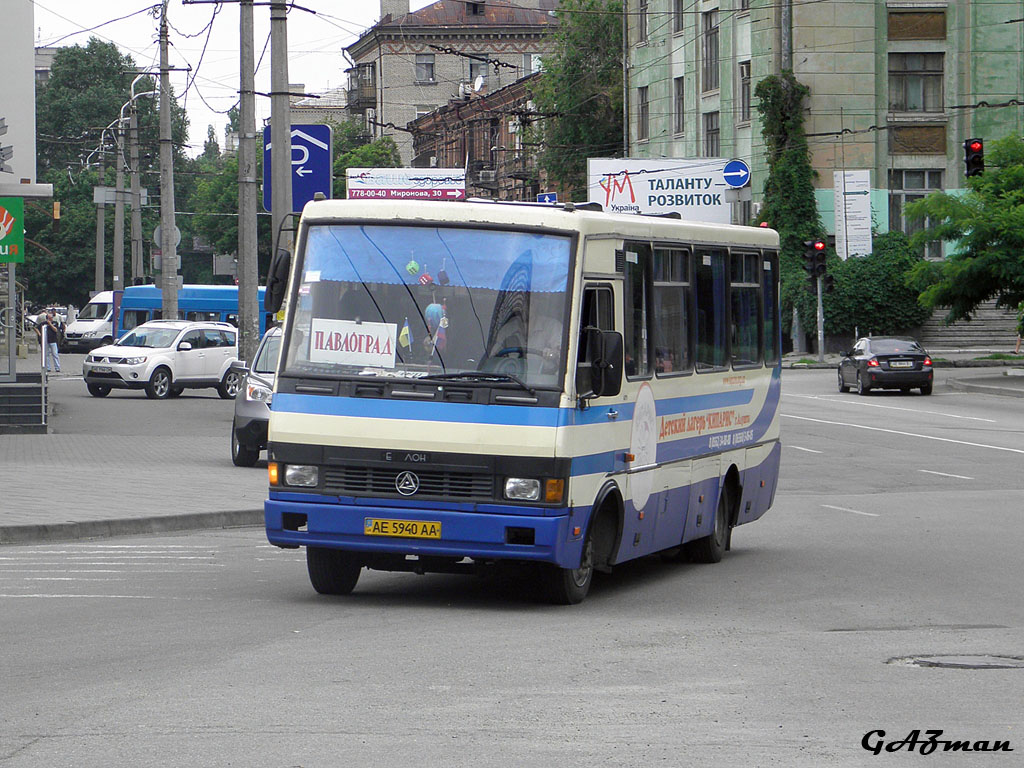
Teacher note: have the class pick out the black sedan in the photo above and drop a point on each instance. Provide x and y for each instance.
(886, 362)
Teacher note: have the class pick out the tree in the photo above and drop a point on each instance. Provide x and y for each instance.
(789, 206)
(84, 94)
(987, 225)
(381, 153)
(579, 93)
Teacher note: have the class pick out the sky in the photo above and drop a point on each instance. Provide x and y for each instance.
(316, 37)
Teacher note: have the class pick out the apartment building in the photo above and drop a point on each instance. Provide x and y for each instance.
(896, 87)
(410, 63)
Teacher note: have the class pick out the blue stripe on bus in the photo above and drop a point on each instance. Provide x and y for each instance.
(505, 415)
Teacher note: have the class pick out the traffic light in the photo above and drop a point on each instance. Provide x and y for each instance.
(974, 157)
(814, 257)
(828, 283)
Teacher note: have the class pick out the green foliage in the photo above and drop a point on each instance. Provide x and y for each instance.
(381, 153)
(987, 224)
(582, 85)
(871, 294)
(85, 92)
(789, 206)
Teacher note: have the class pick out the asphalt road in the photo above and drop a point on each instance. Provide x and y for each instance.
(896, 534)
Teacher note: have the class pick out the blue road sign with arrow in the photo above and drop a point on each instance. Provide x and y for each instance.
(547, 197)
(736, 174)
(311, 164)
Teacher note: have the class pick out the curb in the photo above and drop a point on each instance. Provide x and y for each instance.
(965, 385)
(95, 529)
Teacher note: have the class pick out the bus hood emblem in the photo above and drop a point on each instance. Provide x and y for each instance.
(407, 483)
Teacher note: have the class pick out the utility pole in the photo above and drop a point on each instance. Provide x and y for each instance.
(101, 223)
(136, 227)
(280, 125)
(118, 278)
(248, 271)
(168, 246)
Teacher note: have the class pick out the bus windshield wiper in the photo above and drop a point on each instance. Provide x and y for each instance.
(479, 376)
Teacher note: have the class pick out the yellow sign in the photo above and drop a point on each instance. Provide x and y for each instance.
(410, 529)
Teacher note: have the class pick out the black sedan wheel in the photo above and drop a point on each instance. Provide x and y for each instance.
(242, 455)
(862, 388)
(842, 383)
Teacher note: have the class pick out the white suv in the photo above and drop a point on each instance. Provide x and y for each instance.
(164, 357)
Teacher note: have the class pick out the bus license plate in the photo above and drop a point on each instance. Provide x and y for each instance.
(410, 529)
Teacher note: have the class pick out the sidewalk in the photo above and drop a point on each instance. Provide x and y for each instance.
(78, 486)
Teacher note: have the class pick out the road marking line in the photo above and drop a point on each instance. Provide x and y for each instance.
(945, 474)
(854, 511)
(798, 448)
(905, 434)
(848, 401)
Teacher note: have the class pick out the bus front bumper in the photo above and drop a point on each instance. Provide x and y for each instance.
(480, 535)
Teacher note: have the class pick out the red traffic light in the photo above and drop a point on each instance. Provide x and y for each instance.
(975, 146)
(819, 245)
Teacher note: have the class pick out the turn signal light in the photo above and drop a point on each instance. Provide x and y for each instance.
(272, 472)
(553, 489)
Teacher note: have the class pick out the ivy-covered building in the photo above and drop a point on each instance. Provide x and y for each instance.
(896, 87)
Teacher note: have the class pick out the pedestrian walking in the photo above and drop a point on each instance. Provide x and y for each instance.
(1020, 327)
(51, 332)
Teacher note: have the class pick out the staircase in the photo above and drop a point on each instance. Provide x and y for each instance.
(23, 405)
(990, 329)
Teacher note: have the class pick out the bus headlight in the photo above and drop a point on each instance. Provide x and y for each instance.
(522, 489)
(305, 475)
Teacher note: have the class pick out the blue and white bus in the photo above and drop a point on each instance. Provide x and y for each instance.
(140, 303)
(468, 384)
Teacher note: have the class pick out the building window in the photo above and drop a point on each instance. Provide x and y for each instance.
(917, 25)
(712, 135)
(641, 21)
(424, 67)
(678, 116)
(477, 69)
(709, 59)
(915, 82)
(643, 114)
(744, 91)
(744, 6)
(679, 14)
(423, 109)
(532, 63)
(906, 186)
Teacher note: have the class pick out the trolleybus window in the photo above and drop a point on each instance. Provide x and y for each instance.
(671, 311)
(712, 318)
(770, 290)
(745, 292)
(636, 309)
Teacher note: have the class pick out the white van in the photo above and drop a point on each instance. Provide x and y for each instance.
(92, 328)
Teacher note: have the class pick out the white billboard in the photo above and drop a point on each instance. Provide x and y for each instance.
(852, 191)
(692, 187)
(406, 183)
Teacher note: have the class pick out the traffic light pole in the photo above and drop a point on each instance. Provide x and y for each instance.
(821, 321)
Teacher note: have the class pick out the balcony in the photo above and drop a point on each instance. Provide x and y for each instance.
(362, 96)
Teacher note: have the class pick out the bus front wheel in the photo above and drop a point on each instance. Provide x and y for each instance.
(568, 586)
(332, 571)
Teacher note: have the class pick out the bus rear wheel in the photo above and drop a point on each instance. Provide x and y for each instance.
(332, 571)
(711, 548)
(568, 586)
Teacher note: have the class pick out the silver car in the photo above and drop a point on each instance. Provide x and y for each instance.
(252, 404)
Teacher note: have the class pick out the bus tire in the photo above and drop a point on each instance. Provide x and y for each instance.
(568, 586)
(710, 549)
(332, 571)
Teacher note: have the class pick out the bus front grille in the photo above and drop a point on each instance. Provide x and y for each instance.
(380, 481)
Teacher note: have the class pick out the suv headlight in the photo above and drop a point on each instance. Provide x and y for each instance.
(305, 475)
(134, 360)
(259, 393)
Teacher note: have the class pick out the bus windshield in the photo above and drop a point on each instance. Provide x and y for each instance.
(412, 301)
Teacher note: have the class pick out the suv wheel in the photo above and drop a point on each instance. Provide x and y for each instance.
(159, 385)
(230, 385)
(241, 454)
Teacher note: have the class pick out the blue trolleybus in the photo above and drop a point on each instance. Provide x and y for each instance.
(140, 303)
(464, 385)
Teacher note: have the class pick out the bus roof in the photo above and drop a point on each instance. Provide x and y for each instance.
(565, 216)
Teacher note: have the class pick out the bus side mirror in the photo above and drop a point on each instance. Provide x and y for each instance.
(277, 280)
(604, 357)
